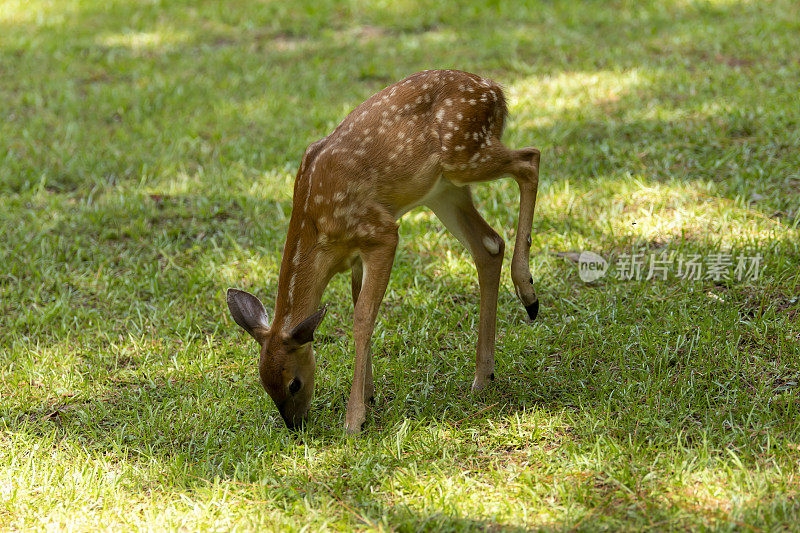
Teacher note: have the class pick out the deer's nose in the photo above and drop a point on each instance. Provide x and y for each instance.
(293, 421)
(295, 424)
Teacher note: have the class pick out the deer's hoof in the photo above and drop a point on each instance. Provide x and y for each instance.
(479, 384)
(533, 310)
(354, 424)
(354, 429)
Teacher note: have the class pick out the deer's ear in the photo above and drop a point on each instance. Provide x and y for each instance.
(249, 313)
(303, 332)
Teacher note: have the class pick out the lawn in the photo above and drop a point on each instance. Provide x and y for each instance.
(147, 155)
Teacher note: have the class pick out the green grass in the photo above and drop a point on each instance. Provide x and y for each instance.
(147, 153)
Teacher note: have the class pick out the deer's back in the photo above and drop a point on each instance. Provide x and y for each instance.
(391, 150)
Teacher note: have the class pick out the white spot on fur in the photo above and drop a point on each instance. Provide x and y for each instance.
(346, 211)
(289, 299)
(365, 230)
(491, 245)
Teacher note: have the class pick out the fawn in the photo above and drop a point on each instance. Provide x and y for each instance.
(421, 141)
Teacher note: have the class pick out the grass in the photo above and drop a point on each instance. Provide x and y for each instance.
(147, 153)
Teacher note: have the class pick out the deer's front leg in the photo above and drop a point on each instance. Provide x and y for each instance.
(377, 265)
(356, 277)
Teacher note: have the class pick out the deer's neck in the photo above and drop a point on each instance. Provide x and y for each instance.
(303, 275)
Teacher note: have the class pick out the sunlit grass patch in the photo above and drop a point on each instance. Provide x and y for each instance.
(548, 98)
(659, 212)
(139, 41)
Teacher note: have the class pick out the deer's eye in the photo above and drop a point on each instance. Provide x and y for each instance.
(294, 386)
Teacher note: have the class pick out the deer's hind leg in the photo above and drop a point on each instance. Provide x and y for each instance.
(454, 207)
(493, 160)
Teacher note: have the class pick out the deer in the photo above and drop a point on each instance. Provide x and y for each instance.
(422, 141)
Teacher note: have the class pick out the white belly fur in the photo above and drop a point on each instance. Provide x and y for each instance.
(440, 186)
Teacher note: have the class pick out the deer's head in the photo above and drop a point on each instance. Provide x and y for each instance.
(286, 364)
